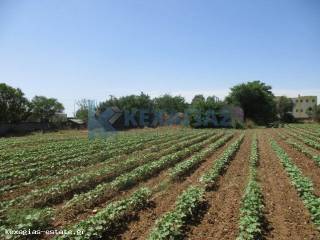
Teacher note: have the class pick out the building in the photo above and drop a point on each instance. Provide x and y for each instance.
(76, 123)
(302, 105)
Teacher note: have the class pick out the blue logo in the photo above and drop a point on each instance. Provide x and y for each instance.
(108, 118)
(112, 119)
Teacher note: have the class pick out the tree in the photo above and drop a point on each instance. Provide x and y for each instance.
(213, 103)
(256, 99)
(284, 105)
(170, 104)
(317, 113)
(14, 107)
(134, 104)
(201, 103)
(198, 102)
(310, 112)
(200, 108)
(83, 108)
(44, 108)
(139, 102)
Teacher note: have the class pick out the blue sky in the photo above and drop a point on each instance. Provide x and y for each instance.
(90, 49)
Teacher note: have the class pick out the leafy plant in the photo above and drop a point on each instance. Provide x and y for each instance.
(110, 217)
(56, 192)
(251, 211)
(306, 140)
(220, 164)
(303, 185)
(80, 202)
(22, 220)
(304, 150)
(171, 225)
(182, 168)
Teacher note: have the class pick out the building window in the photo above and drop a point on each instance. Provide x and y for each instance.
(297, 110)
(313, 100)
(301, 100)
(297, 100)
(301, 110)
(307, 100)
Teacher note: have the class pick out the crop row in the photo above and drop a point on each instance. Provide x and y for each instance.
(303, 185)
(89, 199)
(305, 140)
(35, 146)
(108, 218)
(281, 135)
(207, 141)
(87, 180)
(65, 167)
(61, 155)
(75, 155)
(182, 168)
(312, 128)
(28, 156)
(30, 220)
(170, 226)
(221, 163)
(38, 139)
(305, 135)
(251, 210)
(304, 150)
(173, 223)
(306, 130)
(72, 149)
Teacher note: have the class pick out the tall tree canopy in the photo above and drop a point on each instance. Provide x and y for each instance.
(200, 108)
(284, 105)
(317, 113)
(83, 108)
(44, 108)
(142, 101)
(256, 99)
(199, 102)
(14, 107)
(168, 103)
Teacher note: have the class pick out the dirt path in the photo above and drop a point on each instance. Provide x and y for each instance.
(285, 213)
(164, 201)
(307, 165)
(221, 219)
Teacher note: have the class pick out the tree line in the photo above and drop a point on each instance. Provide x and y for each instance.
(255, 98)
(16, 108)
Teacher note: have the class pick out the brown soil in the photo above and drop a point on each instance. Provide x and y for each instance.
(221, 219)
(287, 131)
(283, 132)
(286, 216)
(62, 219)
(307, 165)
(164, 201)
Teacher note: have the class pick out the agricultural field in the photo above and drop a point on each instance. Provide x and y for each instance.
(166, 183)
